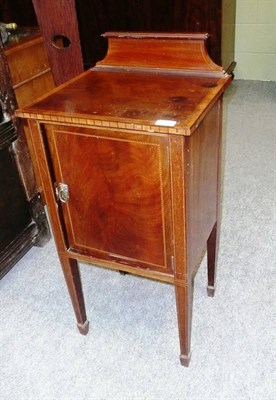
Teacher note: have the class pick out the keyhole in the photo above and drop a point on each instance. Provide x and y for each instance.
(61, 41)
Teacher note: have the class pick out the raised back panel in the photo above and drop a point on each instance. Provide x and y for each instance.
(159, 50)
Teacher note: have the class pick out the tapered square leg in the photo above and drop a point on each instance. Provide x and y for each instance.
(72, 276)
(184, 314)
(212, 245)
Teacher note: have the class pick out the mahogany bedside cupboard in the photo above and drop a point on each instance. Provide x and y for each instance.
(128, 154)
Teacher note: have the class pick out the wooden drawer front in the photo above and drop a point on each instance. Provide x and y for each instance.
(119, 197)
(27, 61)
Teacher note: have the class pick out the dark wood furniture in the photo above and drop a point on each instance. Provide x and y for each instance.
(28, 64)
(216, 17)
(59, 26)
(31, 76)
(82, 22)
(129, 155)
(25, 74)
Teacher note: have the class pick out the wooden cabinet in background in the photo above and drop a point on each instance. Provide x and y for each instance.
(94, 17)
(215, 17)
(31, 77)
(84, 21)
(25, 75)
(29, 67)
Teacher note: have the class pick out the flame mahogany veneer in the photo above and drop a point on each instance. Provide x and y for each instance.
(128, 154)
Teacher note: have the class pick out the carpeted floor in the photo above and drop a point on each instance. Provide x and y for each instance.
(131, 351)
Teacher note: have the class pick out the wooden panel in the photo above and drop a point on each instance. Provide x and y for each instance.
(58, 19)
(23, 221)
(97, 17)
(31, 77)
(205, 16)
(217, 17)
(27, 59)
(34, 88)
(202, 169)
(179, 50)
(120, 194)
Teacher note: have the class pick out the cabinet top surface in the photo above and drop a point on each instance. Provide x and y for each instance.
(154, 99)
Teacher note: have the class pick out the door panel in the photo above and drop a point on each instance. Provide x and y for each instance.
(119, 198)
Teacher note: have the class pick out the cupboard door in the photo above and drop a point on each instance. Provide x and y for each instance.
(118, 205)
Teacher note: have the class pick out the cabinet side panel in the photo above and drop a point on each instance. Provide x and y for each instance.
(202, 174)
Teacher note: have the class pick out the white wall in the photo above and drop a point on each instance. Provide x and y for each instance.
(255, 45)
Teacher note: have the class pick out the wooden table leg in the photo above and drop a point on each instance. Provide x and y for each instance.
(212, 261)
(184, 298)
(72, 276)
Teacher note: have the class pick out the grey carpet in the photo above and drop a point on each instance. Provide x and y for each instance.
(131, 351)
